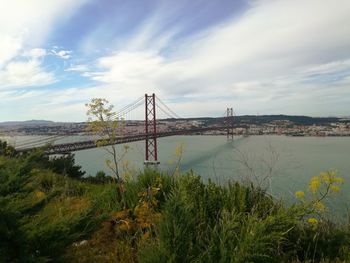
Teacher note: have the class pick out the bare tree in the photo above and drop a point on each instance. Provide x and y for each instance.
(104, 124)
(258, 171)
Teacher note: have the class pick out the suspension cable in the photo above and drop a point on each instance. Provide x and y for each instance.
(30, 142)
(40, 142)
(133, 107)
(166, 113)
(128, 108)
(125, 108)
(171, 111)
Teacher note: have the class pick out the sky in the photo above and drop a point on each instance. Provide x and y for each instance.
(199, 57)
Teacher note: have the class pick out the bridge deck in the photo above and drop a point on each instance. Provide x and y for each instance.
(65, 148)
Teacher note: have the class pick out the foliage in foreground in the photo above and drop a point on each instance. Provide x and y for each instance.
(45, 216)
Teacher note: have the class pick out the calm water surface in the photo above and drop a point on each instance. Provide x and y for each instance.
(286, 163)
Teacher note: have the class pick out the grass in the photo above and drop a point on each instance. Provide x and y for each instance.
(50, 217)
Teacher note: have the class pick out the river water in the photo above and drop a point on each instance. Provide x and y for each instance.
(282, 164)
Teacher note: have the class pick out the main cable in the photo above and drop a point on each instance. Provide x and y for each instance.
(130, 104)
(126, 109)
(166, 113)
(40, 142)
(170, 110)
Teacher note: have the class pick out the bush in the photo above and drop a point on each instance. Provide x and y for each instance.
(208, 223)
(11, 241)
(66, 165)
(45, 216)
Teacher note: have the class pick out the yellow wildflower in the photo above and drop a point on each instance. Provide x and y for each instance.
(314, 184)
(339, 180)
(335, 188)
(333, 173)
(319, 206)
(178, 150)
(39, 194)
(312, 221)
(299, 194)
(325, 177)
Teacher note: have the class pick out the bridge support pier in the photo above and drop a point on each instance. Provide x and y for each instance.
(151, 131)
(229, 123)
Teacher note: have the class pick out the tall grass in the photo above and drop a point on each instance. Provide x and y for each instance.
(154, 217)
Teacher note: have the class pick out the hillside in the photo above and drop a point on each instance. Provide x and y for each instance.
(26, 123)
(51, 214)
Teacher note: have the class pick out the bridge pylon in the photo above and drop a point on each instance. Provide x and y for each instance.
(229, 123)
(151, 157)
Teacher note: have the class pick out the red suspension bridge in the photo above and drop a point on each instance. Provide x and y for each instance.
(150, 134)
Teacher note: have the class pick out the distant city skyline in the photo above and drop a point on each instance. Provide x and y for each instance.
(258, 56)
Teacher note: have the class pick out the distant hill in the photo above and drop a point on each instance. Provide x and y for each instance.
(243, 119)
(301, 120)
(26, 123)
(261, 119)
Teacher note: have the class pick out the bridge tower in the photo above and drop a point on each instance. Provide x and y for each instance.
(151, 130)
(229, 123)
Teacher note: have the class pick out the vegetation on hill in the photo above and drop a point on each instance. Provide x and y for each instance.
(48, 214)
(264, 119)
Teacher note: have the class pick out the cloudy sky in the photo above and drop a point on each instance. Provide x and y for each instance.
(199, 56)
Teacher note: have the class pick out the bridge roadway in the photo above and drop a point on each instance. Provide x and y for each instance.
(65, 148)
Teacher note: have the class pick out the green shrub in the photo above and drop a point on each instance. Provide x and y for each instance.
(107, 198)
(157, 218)
(65, 165)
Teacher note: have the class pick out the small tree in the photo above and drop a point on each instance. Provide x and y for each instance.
(66, 165)
(6, 149)
(103, 123)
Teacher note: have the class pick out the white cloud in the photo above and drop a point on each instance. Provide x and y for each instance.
(264, 61)
(78, 68)
(9, 47)
(24, 25)
(275, 46)
(34, 18)
(24, 74)
(330, 67)
(129, 71)
(35, 53)
(65, 54)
